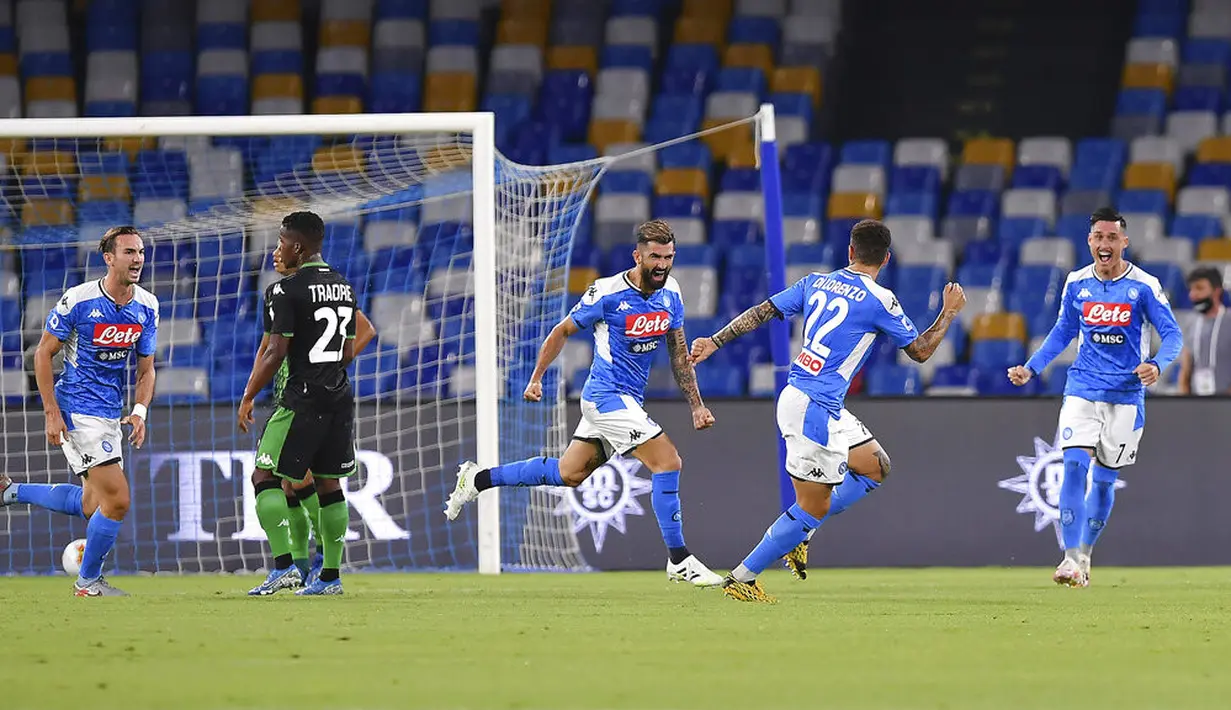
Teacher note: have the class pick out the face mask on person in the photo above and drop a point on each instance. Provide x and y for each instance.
(1204, 305)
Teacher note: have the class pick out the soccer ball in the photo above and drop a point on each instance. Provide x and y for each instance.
(71, 559)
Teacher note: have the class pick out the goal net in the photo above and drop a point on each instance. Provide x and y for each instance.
(459, 257)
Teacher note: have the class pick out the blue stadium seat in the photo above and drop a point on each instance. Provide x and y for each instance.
(397, 9)
(753, 30)
(685, 81)
(104, 212)
(1038, 176)
(1198, 98)
(955, 376)
(1012, 231)
(1142, 201)
(902, 204)
(722, 380)
(740, 180)
(678, 206)
(401, 93)
(973, 203)
(375, 371)
(914, 178)
(626, 181)
(1094, 176)
(1206, 50)
(990, 253)
(1141, 102)
(39, 64)
(1210, 175)
(983, 275)
(741, 79)
(222, 95)
(696, 255)
(636, 8)
(1196, 227)
(690, 154)
(867, 152)
(994, 383)
(687, 109)
(277, 61)
(803, 204)
(1159, 25)
(111, 37)
(997, 354)
(1056, 380)
(454, 32)
(1111, 152)
(894, 381)
(627, 56)
(218, 35)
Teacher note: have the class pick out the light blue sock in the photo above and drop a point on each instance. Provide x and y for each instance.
(1098, 505)
(538, 471)
(665, 497)
(788, 530)
(852, 490)
(1073, 497)
(60, 497)
(100, 535)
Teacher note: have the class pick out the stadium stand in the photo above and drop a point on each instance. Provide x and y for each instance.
(567, 82)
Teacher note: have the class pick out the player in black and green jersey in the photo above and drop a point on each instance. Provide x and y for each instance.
(312, 329)
(301, 497)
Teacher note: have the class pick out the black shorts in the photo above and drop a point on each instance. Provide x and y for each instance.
(297, 442)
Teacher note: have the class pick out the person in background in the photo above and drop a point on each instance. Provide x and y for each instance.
(1205, 363)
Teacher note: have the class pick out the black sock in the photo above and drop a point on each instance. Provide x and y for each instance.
(328, 575)
(677, 554)
(483, 480)
(283, 561)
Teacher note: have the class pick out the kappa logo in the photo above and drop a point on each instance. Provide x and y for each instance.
(624, 306)
(1084, 293)
(634, 435)
(95, 314)
(265, 461)
(1039, 484)
(278, 289)
(86, 459)
(605, 499)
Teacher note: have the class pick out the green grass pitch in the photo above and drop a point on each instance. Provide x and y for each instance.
(983, 638)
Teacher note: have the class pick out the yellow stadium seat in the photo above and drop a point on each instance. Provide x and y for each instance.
(104, 187)
(998, 326)
(13, 147)
(338, 158)
(130, 146)
(8, 65)
(51, 88)
(277, 86)
(683, 181)
(734, 142)
(450, 91)
(275, 11)
(525, 9)
(989, 151)
(44, 212)
(531, 30)
(579, 279)
(337, 104)
(707, 8)
(1216, 149)
(705, 29)
(854, 205)
(346, 33)
(750, 56)
(582, 58)
(444, 158)
(1151, 176)
(1147, 76)
(797, 80)
(606, 131)
(1214, 250)
(49, 162)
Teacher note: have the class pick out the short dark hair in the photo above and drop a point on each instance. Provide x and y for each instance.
(655, 231)
(1205, 273)
(871, 239)
(106, 245)
(308, 225)
(1108, 214)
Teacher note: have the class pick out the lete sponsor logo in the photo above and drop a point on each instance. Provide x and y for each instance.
(110, 335)
(1039, 483)
(1097, 313)
(647, 325)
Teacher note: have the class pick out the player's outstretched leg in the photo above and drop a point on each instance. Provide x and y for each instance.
(304, 507)
(472, 480)
(275, 517)
(812, 502)
(660, 456)
(1099, 502)
(59, 497)
(106, 497)
(869, 467)
(334, 516)
(1073, 517)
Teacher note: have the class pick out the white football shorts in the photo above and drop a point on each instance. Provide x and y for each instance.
(91, 441)
(816, 445)
(855, 431)
(1112, 430)
(619, 425)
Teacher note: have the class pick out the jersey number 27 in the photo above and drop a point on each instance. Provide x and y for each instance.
(824, 315)
(336, 319)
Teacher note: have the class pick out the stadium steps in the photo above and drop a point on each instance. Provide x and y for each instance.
(979, 66)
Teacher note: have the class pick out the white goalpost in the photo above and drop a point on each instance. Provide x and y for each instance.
(461, 260)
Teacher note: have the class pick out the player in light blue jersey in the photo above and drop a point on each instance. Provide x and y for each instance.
(1106, 306)
(630, 315)
(843, 312)
(98, 325)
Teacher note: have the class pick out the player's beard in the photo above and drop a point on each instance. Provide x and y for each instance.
(652, 282)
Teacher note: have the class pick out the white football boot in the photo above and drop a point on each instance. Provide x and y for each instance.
(691, 570)
(464, 492)
(1070, 574)
(1083, 561)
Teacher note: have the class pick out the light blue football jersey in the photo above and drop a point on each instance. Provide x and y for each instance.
(843, 313)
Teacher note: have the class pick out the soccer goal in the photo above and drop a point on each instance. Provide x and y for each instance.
(460, 257)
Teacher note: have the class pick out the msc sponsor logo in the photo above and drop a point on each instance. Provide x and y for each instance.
(1107, 338)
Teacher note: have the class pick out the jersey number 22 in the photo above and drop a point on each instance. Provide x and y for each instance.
(336, 320)
(824, 315)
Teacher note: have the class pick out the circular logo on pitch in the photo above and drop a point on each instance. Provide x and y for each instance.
(605, 499)
(107, 446)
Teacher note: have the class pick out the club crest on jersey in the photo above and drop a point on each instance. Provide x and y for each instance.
(1098, 313)
(110, 335)
(647, 325)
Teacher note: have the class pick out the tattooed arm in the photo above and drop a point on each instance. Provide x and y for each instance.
(686, 378)
(921, 349)
(743, 324)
